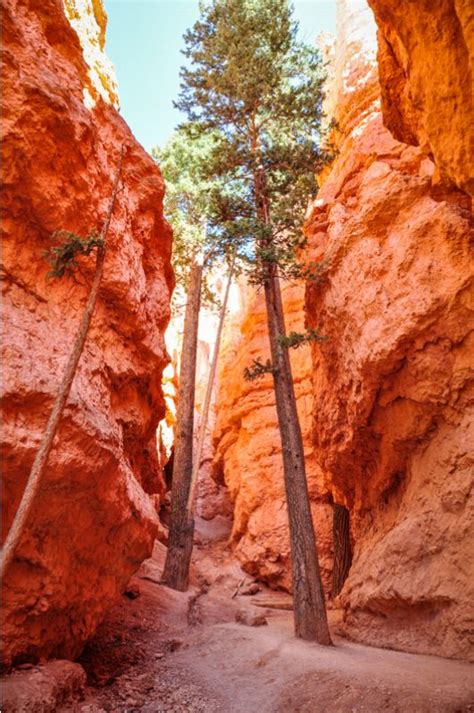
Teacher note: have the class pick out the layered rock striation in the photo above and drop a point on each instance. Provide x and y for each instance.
(393, 385)
(93, 521)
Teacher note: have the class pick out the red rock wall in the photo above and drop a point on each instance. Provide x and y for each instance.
(248, 449)
(393, 384)
(93, 522)
(426, 65)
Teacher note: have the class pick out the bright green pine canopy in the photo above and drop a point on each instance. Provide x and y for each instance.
(187, 197)
(259, 91)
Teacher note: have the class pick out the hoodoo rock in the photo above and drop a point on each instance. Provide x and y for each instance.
(248, 454)
(93, 522)
(392, 384)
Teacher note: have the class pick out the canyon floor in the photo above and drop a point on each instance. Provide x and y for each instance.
(161, 650)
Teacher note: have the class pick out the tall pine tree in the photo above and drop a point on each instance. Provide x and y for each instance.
(250, 81)
(188, 205)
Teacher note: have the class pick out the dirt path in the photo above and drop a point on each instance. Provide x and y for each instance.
(167, 651)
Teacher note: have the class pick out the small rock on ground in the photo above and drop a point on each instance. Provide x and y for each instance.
(250, 618)
(43, 688)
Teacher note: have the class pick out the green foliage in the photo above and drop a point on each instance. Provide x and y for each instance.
(328, 139)
(293, 340)
(258, 369)
(62, 257)
(259, 91)
(189, 201)
(314, 272)
(182, 162)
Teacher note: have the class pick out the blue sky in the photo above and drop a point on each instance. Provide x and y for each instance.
(144, 39)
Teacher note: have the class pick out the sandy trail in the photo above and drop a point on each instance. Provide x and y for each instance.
(184, 652)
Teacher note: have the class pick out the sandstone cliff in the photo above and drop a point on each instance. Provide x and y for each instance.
(93, 522)
(393, 384)
(426, 66)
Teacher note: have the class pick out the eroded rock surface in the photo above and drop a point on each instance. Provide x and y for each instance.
(426, 65)
(44, 688)
(393, 384)
(93, 522)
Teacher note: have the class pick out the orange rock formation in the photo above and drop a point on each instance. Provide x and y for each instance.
(93, 522)
(392, 386)
(426, 66)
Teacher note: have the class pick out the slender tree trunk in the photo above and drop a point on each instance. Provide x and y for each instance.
(208, 396)
(342, 548)
(181, 531)
(41, 460)
(309, 605)
(308, 595)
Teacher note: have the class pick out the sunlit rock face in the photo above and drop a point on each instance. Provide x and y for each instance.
(89, 20)
(426, 65)
(248, 454)
(93, 522)
(393, 383)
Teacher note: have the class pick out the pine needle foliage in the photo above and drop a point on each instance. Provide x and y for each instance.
(189, 204)
(293, 340)
(63, 256)
(257, 369)
(251, 82)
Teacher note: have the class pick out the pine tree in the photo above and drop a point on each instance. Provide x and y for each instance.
(252, 83)
(188, 205)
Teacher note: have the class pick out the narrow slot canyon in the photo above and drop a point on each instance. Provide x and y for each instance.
(163, 443)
